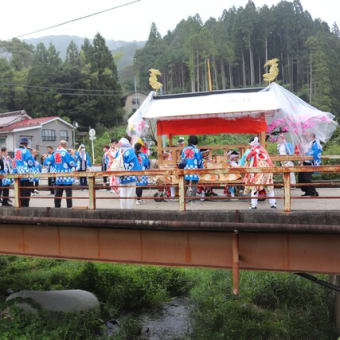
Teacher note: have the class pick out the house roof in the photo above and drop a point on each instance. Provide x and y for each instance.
(133, 93)
(9, 118)
(31, 123)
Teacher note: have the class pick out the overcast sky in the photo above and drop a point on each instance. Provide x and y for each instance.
(133, 22)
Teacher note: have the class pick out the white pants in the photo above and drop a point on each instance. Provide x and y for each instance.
(128, 190)
(269, 193)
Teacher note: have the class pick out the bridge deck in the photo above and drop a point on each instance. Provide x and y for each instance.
(107, 200)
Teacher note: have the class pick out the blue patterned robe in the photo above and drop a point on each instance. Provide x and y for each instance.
(193, 158)
(130, 163)
(145, 164)
(63, 162)
(23, 162)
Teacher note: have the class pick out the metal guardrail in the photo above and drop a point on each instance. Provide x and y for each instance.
(91, 177)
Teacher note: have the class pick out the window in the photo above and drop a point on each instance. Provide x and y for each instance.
(135, 101)
(63, 134)
(48, 135)
(2, 141)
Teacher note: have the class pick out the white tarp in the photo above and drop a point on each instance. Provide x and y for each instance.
(217, 104)
(285, 112)
(297, 119)
(229, 105)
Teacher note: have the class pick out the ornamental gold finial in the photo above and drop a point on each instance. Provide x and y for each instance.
(273, 70)
(154, 83)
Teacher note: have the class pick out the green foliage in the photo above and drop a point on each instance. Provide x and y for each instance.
(270, 306)
(131, 288)
(84, 87)
(46, 326)
(120, 289)
(224, 139)
(104, 138)
(238, 44)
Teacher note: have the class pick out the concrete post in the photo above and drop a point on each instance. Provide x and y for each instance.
(181, 183)
(16, 193)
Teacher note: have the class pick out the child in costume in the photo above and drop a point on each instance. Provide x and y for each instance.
(258, 157)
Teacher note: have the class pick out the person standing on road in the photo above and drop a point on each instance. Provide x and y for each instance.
(49, 168)
(105, 163)
(83, 162)
(5, 168)
(145, 164)
(36, 169)
(112, 154)
(312, 147)
(284, 148)
(22, 164)
(258, 157)
(63, 162)
(191, 158)
(128, 183)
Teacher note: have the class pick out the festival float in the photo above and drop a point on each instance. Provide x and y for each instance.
(266, 112)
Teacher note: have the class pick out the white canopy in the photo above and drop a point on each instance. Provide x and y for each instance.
(216, 104)
(229, 104)
(285, 112)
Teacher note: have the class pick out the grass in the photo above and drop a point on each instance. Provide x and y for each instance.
(270, 305)
(121, 289)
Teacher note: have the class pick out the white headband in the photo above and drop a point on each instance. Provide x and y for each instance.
(254, 142)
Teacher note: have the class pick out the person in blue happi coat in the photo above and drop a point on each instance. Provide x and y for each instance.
(312, 147)
(192, 158)
(144, 162)
(105, 164)
(83, 162)
(36, 169)
(128, 183)
(63, 162)
(23, 163)
(5, 168)
(47, 165)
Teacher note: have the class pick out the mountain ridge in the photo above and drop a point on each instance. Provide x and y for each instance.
(125, 49)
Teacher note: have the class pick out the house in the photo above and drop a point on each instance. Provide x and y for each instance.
(41, 132)
(132, 102)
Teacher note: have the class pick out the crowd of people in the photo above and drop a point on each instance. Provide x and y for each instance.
(123, 155)
(26, 161)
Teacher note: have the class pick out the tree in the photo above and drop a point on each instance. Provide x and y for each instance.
(320, 81)
(6, 90)
(336, 30)
(149, 57)
(43, 81)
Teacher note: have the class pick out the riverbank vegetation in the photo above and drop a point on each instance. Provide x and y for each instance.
(270, 306)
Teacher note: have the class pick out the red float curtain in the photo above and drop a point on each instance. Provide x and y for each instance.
(206, 126)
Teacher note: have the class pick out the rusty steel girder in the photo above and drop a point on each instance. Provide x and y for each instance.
(227, 245)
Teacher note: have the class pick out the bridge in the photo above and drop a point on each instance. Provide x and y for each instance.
(297, 241)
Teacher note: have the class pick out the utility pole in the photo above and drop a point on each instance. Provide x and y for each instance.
(209, 74)
(92, 134)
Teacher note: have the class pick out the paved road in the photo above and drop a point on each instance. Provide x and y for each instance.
(108, 200)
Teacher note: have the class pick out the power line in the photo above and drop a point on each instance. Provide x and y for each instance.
(81, 18)
(58, 88)
(50, 91)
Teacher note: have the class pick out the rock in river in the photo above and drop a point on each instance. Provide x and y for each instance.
(67, 301)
